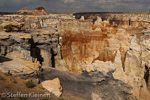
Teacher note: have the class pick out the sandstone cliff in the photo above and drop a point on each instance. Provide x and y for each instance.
(94, 46)
(84, 41)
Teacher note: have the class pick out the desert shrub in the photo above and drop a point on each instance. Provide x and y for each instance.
(29, 84)
(15, 82)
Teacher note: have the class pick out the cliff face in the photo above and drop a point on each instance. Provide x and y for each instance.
(90, 45)
(30, 46)
(84, 42)
(136, 66)
(24, 33)
(122, 20)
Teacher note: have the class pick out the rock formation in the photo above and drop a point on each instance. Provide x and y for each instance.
(92, 47)
(136, 70)
(84, 42)
(24, 11)
(98, 81)
(53, 86)
(39, 11)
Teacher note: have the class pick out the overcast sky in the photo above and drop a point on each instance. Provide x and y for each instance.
(70, 6)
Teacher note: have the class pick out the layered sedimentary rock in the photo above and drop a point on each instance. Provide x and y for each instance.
(84, 42)
(89, 45)
(38, 33)
(40, 46)
(123, 20)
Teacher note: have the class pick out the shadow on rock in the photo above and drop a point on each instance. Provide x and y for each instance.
(4, 59)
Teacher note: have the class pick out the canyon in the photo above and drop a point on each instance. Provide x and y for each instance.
(93, 54)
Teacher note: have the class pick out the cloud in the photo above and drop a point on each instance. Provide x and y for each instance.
(69, 1)
(68, 6)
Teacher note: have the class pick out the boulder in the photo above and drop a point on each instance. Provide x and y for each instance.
(53, 86)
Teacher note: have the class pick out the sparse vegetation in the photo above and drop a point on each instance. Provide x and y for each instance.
(1, 78)
(15, 82)
(29, 84)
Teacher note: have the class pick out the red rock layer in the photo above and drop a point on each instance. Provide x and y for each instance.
(39, 11)
(40, 8)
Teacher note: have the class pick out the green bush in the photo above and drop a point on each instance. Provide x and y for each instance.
(30, 84)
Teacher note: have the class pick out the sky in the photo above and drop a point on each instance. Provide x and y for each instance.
(72, 6)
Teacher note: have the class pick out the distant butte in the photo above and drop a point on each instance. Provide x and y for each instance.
(37, 11)
(40, 8)
(23, 11)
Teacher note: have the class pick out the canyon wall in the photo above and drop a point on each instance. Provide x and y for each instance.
(24, 35)
(121, 19)
(86, 40)
(73, 45)
(83, 42)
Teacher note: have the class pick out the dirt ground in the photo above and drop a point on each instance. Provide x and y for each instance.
(10, 84)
